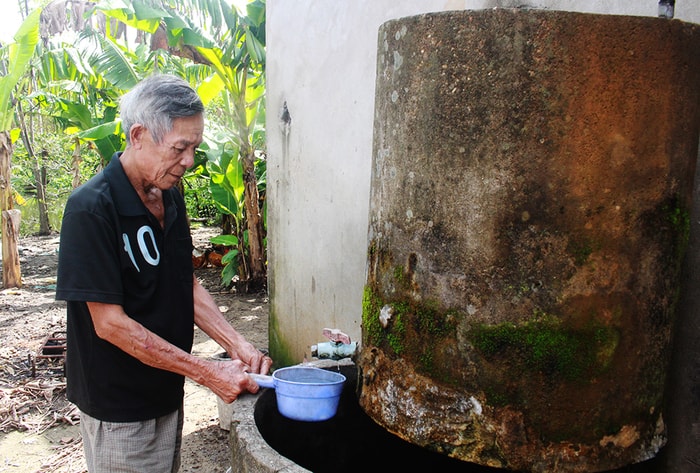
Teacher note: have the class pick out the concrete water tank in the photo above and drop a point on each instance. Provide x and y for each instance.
(529, 211)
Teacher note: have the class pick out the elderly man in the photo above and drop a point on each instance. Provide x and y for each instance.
(125, 270)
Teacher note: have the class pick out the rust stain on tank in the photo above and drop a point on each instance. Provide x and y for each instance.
(531, 183)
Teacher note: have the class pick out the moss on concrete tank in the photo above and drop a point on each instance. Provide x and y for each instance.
(531, 186)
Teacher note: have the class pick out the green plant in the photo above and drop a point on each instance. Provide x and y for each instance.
(214, 45)
(231, 48)
(56, 152)
(15, 60)
(230, 260)
(224, 170)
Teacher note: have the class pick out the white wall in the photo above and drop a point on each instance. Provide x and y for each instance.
(321, 59)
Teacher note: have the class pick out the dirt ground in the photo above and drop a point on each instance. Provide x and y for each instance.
(39, 428)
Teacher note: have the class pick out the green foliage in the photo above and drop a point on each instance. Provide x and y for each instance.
(198, 199)
(115, 62)
(76, 84)
(17, 56)
(55, 158)
(224, 170)
(234, 56)
(140, 16)
(231, 258)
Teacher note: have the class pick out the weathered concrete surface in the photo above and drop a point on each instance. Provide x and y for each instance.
(682, 453)
(529, 212)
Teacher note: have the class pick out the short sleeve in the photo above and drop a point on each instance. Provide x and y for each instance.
(88, 259)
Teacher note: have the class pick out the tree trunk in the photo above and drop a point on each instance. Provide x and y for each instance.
(5, 171)
(40, 180)
(228, 225)
(77, 159)
(258, 274)
(39, 173)
(10, 218)
(11, 274)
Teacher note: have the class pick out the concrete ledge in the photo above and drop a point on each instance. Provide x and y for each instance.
(249, 451)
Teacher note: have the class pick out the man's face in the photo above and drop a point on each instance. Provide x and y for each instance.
(163, 164)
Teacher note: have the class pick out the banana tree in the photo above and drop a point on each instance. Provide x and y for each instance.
(79, 83)
(227, 187)
(233, 47)
(225, 59)
(78, 86)
(17, 56)
(225, 174)
(62, 91)
(239, 75)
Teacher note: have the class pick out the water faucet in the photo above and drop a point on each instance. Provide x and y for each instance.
(338, 347)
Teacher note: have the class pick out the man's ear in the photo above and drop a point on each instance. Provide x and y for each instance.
(137, 135)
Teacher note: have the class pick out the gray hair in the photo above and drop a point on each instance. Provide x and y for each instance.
(155, 102)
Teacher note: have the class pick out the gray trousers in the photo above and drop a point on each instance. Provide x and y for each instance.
(151, 446)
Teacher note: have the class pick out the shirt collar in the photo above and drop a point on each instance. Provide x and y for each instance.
(126, 199)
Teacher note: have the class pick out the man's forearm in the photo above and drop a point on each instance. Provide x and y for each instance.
(113, 325)
(209, 318)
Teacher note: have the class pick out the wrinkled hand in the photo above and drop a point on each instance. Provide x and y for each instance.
(257, 361)
(229, 379)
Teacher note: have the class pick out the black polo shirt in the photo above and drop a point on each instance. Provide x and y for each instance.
(114, 251)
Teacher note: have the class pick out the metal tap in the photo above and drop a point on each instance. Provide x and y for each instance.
(338, 347)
